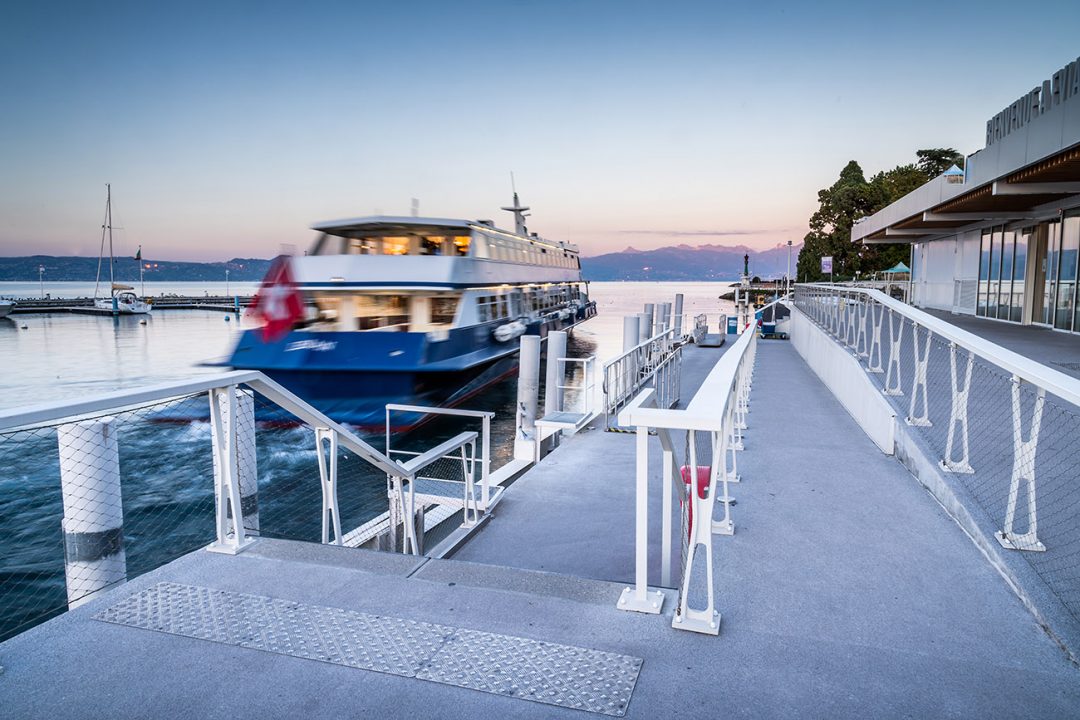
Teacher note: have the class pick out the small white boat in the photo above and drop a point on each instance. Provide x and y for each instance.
(122, 299)
(6, 306)
(127, 302)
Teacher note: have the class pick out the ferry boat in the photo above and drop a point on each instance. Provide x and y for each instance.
(416, 310)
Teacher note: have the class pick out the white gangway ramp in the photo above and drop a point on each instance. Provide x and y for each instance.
(718, 410)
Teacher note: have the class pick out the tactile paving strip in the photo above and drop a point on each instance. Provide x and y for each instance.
(563, 675)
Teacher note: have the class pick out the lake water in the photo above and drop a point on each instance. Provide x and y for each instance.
(166, 467)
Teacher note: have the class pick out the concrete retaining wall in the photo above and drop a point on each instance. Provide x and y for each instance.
(846, 379)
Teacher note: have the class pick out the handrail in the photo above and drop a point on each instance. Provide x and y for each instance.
(50, 412)
(718, 407)
(1028, 370)
(421, 461)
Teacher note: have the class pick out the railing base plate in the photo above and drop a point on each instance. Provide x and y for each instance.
(952, 467)
(1013, 541)
(229, 548)
(698, 621)
(653, 603)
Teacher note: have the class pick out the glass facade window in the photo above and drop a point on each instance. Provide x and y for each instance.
(1053, 253)
(1008, 248)
(994, 284)
(1066, 285)
(1023, 242)
(984, 273)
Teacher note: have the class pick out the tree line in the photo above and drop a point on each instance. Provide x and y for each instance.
(852, 197)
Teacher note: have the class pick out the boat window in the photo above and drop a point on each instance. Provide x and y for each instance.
(443, 309)
(395, 246)
(431, 245)
(461, 245)
(363, 246)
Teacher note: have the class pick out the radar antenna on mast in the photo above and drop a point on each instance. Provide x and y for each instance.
(519, 211)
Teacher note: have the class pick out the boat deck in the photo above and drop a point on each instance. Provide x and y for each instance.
(846, 591)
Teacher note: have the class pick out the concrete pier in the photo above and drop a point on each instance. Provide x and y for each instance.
(846, 592)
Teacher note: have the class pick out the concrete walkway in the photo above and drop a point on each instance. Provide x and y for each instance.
(846, 593)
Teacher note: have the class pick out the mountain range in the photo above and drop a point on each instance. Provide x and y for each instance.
(126, 269)
(686, 262)
(678, 262)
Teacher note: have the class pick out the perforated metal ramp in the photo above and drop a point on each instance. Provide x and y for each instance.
(562, 675)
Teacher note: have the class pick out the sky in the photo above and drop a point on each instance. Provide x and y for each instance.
(226, 129)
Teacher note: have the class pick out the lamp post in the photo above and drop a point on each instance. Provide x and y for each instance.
(41, 279)
(787, 278)
(226, 282)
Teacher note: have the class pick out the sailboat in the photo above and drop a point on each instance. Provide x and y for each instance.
(122, 299)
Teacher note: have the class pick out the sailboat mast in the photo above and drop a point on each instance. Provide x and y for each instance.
(101, 250)
(108, 213)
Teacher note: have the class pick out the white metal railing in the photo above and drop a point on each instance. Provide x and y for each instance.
(717, 409)
(656, 360)
(227, 412)
(878, 329)
(441, 491)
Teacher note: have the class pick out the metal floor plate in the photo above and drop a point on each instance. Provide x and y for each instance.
(563, 675)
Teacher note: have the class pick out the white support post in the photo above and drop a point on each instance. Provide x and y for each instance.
(961, 388)
(875, 354)
(707, 620)
(650, 320)
(638, 598)
(326, 440)
(468, 470)
(1023, 471)
(892, 376)
(525, 445)
(631, 333)
(678, 314)
(719, 449)
(246, 466)
(644, 327)
(862, 342)
(93, 521)
(556, 351)
(918, 385)
(668, 449)
(851, 312)
(223, 422)
(485, 463)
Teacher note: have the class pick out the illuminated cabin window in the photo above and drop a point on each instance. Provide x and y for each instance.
(461, 245)
(395, 246)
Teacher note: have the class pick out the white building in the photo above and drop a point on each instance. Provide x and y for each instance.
(1001, 240)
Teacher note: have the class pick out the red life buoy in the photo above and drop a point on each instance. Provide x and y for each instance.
(703, 473)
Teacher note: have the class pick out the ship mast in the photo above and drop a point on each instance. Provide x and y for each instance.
(519, 211)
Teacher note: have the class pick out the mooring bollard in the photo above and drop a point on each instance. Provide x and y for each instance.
(246, 464)
(664, 318)
(556, 350)
(678, 314)
(527, 397)
(93, 521)
(631, 332)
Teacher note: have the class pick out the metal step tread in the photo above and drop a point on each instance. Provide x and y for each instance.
(550, 673)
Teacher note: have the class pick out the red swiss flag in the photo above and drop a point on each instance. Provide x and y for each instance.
(278, 303)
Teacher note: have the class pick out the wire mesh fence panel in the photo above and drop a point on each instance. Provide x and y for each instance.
(94, 501)
(1012, 447)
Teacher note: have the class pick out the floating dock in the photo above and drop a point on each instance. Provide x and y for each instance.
(85, 306)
